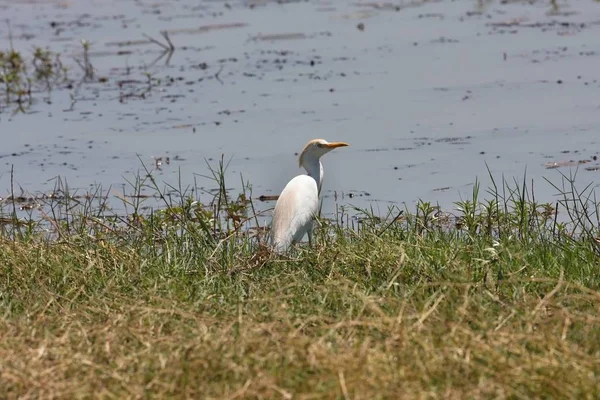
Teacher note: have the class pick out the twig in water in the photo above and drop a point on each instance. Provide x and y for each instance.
(218, 73)
(169, 48)
(165, 34)
(156, 42)
(10, 37)
(73, 102)
(86, 65)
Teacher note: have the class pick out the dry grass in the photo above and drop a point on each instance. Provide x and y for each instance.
(398, 316)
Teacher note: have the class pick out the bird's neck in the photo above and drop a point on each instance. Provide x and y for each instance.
(315, 170)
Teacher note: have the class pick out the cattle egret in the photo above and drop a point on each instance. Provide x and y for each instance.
(298, 203)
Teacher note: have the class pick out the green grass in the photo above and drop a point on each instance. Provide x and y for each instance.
(500, 301)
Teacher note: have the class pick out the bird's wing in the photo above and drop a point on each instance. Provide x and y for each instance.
(295, 209)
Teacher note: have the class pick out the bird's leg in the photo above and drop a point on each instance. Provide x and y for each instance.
(310, 234)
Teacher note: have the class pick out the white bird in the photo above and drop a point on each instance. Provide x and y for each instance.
(298, 203)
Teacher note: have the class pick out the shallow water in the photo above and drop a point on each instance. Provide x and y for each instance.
(426, 93)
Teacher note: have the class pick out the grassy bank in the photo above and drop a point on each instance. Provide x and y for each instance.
(500, 299)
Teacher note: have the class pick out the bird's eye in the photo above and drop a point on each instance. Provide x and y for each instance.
(320, 144)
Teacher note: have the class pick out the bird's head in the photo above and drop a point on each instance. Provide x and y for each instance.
(317, 148)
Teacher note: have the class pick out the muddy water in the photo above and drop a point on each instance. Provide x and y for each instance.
(426, 93)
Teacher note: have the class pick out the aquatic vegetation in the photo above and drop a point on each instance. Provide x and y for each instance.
(18, 84)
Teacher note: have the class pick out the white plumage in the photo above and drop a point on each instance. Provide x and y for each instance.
(298, 203)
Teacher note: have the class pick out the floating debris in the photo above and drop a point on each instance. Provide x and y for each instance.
(268, 198)
(379, 6)
(560, 164)
(278, 36)
(158, 162)
(208, 28)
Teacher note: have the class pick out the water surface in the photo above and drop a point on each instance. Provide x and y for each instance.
(426, 93)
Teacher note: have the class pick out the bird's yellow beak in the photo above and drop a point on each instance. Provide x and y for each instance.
(335, 145)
